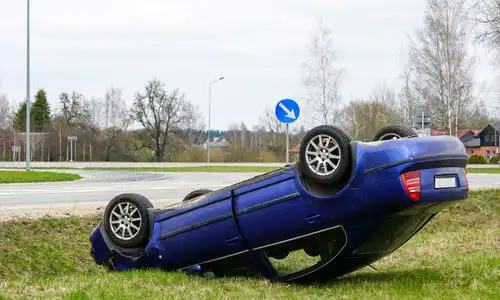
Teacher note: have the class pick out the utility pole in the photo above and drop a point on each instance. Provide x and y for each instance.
(28, 136)
(209, 113)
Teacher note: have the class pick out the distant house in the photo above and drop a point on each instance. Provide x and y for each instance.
(485, 142)
(217, 143)
(461, 132)
(295, 149)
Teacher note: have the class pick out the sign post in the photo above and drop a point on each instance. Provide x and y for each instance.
(72, 139)
(422, 123)
(16, 149)
(287, 111)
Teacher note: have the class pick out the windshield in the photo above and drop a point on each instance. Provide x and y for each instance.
(298, 257)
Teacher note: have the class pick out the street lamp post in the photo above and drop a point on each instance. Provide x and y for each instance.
(209, 113)
(72, 139)
(496, 139)
(28, 147)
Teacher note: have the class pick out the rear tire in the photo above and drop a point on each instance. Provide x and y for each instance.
(126, 220)
(395, 131)
(325, 154)
(195, 194)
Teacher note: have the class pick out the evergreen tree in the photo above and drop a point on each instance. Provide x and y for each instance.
(20, 118)
(40, 112)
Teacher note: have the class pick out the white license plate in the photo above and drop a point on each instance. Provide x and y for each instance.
(445, 182)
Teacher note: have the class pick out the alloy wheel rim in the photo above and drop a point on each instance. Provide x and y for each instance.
(323, 154)
(125, 221)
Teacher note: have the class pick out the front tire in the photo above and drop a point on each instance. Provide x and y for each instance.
(325, 154)
(391, 132)
(126, 220)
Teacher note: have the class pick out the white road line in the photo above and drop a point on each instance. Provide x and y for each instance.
(97, 189)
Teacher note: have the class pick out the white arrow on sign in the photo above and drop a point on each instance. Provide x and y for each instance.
(289, 114)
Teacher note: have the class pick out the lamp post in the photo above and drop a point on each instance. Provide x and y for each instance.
(28, 147)
(496, 140)
(72, 139)
(209, 113)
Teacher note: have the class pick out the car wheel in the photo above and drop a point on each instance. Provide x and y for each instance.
(391, 132)
(126, 220)
(325, 154)
(195, 194)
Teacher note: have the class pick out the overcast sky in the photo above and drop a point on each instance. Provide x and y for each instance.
(257, 45)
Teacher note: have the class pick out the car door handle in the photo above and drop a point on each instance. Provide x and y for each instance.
(312, 218)
(232, 241)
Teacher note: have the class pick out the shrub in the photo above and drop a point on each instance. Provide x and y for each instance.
(477, 159)
(495, 159)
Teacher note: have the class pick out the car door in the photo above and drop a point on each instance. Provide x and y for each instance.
(271, 210)
(202, 231)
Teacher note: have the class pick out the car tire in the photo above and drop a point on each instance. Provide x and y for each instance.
(390, 132)
(325, 163)
(126, 220)
(195, 194)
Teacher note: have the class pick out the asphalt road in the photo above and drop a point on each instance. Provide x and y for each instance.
(86, 164)
(101, 186)
(98, 187)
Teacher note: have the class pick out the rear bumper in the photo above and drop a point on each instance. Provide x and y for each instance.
(431, 193)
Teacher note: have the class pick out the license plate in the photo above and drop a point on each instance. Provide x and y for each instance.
(445, 182)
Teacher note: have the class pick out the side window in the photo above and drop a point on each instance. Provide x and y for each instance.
(304, 254)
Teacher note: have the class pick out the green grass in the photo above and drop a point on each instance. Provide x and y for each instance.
(31, 176)
(484, 170)
(454, 256)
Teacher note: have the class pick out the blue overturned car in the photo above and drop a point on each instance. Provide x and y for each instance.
(340, 207)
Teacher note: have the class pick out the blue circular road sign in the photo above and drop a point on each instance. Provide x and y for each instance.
(287, 111)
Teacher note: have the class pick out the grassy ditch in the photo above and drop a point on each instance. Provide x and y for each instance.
(454, 256)
(32, 176)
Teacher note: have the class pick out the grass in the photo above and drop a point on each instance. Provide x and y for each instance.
(25, 177)
(484, 170)
(454, 256)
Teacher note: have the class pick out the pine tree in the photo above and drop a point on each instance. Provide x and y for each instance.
(40, 112)
(20, 118)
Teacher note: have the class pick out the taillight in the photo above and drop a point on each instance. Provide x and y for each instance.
(411, 182)
(466, 180)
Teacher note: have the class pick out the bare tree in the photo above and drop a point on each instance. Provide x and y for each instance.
(321, 77)
(97, 115)
(161, 113)
(115, 117)
(271, 124)
(363, 118)
(486, 16)
(443, 71)
(115, 109)
(75, 110)
(383, 94)
(5, 113)
(409, 102)
(194, 125)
